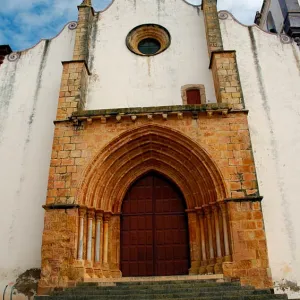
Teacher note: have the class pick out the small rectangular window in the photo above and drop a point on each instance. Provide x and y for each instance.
(193, 96)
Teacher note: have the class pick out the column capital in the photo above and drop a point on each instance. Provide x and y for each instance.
(207, 209)
(199, 211)
(214, 207)
(99, 214)
(91, 213)
(82, 211)
(107, 216)
(223, 206)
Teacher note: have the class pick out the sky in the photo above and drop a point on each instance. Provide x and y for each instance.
(24, 22)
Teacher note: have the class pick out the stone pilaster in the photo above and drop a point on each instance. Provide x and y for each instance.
(74, 82)
(73, 89)
(249, 246)
(85, 15)
(223, 63)
(59, 245)
(212, 26)
(226, 78)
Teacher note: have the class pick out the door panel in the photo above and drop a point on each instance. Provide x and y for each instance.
(193, 96)
(154, 233)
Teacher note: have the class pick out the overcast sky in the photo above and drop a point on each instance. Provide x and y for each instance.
(24, 22)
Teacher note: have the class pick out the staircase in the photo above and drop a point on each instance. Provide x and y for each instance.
(162, 290)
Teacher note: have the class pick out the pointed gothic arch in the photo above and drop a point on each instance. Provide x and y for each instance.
(150, 147)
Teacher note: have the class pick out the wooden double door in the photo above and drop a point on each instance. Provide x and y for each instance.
(154, 229)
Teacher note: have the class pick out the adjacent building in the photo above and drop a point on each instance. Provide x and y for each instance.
(280, 16)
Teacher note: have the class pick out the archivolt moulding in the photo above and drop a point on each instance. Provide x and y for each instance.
(151, 148)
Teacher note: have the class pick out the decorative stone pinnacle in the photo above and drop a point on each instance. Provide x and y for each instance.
(86, 3)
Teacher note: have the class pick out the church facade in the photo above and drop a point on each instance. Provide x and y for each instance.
(162, 138)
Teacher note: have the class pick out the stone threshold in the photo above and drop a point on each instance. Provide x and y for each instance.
(216, 277)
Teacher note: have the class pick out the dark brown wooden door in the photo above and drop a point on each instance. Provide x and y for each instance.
(154, 230)
(193, 96)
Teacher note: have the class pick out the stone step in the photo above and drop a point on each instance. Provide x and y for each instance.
(220, 297)
(179, 280)
(134, 285)
(245, 295)
(189, 278)
(168, 295)
(129, 289)
(161, 290)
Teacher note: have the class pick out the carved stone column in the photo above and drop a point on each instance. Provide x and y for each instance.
(82, 213)
(218, 265)
(107, 217)
(209, 221)
(203, 242)
(194, 235)
(223, 207)
(98, 244)
(91, 217)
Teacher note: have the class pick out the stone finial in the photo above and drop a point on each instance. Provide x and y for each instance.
(86, 3)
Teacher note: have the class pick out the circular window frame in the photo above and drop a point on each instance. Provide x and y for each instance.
(148, 31)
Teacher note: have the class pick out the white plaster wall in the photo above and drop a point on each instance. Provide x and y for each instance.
(270, 76)
(123, 79)
(29, 90)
